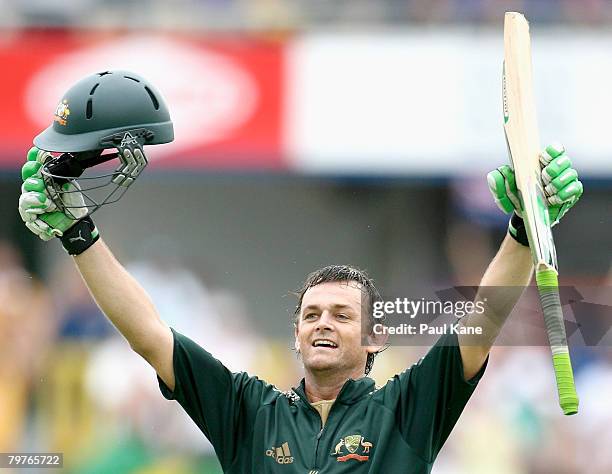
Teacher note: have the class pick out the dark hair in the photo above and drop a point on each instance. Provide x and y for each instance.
(343, 273)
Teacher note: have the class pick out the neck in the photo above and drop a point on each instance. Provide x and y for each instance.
(326, 386)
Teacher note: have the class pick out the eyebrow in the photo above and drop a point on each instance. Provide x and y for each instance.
(334, 306)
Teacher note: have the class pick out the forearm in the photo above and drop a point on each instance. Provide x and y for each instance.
(500, 288)
(502, 285)
(121, 298)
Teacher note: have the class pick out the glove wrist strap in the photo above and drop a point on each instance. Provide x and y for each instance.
(80, 236)
(516, 228)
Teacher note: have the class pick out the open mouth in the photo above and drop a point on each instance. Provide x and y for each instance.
(325, 343)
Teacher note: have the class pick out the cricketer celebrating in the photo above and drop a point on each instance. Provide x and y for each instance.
(335, 420)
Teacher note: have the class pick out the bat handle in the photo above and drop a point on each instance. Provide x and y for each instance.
(548, 287)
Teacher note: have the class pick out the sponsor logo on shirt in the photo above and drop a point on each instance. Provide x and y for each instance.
(352, 447)
(281, 455)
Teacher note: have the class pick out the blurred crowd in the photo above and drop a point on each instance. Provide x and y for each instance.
(70, 383)
(290, 15)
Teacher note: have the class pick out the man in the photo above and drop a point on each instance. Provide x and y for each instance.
(335, 420)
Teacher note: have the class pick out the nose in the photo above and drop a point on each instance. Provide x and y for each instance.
(325, 322)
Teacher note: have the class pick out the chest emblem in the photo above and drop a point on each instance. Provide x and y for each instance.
(352, 447)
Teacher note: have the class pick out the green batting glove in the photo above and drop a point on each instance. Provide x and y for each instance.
(36, 207)
(40, 212)
(502, 185)
(561, 187)
(561, 184)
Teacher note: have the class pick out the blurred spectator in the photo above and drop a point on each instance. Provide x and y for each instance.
(79, 316)
(475, 227)
(26, 334)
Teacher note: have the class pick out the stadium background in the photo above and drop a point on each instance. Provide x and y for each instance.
(307, 133)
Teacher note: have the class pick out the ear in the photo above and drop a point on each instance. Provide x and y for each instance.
(376, 342)
(296, 342)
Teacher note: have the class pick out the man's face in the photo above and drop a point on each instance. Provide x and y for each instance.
(328, 331)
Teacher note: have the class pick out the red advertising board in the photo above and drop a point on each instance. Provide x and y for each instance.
(224, 94)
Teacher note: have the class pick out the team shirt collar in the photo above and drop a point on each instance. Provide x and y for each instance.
(351, 391)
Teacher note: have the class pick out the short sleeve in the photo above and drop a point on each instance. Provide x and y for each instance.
(221, 403)
(430, 396)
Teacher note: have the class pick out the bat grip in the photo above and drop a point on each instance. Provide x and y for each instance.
(548, 287)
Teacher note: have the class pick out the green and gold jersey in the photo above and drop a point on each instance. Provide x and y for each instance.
(255, 428)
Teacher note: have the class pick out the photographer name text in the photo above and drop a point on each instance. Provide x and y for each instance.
(426, 329)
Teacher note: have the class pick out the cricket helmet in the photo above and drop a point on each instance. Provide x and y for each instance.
(117, 110)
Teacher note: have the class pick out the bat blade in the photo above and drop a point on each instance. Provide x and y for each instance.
(522, 137)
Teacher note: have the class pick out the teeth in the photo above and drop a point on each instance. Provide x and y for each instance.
(324, 343)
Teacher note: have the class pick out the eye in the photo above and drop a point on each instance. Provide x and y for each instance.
(309, 316)
(342, 316)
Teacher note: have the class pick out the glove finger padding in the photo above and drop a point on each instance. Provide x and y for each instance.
(566, 177)
(555, 167)
(34, 200)
(36, 158)
(32, 203)
(36, 186)
(563, 201)
(31, 168)
(39, 156)
(550, 153)
(570, 193)
(503, 188)
(33, 183)
(511, 189)
(498, 190)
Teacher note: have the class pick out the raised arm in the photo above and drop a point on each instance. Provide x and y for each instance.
(117, 293)
(512, 266)
(512, 269)
(126, 304)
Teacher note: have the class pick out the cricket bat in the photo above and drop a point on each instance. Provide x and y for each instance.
(522, 138)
